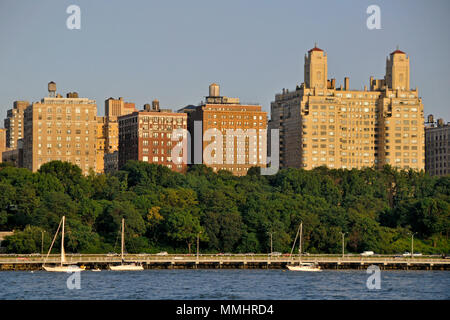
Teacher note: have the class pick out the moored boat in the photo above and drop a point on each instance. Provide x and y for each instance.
(63, 267)
(302, 266)
(124, 266)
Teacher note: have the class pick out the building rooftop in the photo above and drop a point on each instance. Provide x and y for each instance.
(397, 51)
(315, 49)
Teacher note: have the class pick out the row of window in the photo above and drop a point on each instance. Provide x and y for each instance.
(68, 146)
(68, 110)
(214, 116)
(68, 138)
(173, 120)
(68, 152)
(163, 159)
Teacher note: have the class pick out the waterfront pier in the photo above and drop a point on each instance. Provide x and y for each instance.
(229, 261)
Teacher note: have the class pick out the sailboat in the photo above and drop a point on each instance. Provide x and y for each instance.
(61, 267)
(125, 266)
(302, 266)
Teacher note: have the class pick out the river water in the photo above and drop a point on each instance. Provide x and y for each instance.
(224, 284)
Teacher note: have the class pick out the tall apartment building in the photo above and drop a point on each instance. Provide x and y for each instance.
(14, 123)
(58, 128)
(118, 107)
(2, 142)
(243, 128)
(101, 137)
(322, 125)
(437, 147)
(111, 134)
(147, 136)
(108, 128)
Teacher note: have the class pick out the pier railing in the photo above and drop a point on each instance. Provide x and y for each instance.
(220, 258)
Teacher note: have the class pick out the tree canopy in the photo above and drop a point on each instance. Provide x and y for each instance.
(165, 210)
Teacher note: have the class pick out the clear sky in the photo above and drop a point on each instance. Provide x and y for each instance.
(172, 50)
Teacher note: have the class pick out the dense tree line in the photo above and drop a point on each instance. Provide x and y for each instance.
(164, 210)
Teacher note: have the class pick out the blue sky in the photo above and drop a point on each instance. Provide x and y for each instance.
(172, 50)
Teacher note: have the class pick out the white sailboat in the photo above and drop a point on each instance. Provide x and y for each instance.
(125, 266)
(61, 267)
(302, 266)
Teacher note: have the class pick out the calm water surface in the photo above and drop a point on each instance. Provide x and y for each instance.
(225, 284)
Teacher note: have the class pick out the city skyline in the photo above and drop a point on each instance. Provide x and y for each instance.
(173, 56)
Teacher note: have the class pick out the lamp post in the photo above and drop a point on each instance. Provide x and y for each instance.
(198, 244)
(42, 241)
(412, 243)
(271, 241)
(343, 247)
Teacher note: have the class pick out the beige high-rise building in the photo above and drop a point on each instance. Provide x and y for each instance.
(243, 128)
(108, 128)
(340, 127)
(2, 142)
(112, 134)
(58, 128)
(118, 107)
(100, 143)
(14, 123)
(437, 147)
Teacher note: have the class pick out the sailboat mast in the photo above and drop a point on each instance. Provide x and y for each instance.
(62, 241)
(123, 231)
(300, 246)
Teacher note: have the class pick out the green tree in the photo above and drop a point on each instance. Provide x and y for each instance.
(184, 227)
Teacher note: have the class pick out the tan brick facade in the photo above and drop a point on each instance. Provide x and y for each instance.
(2, 142)
(108, 128)
(64, 129)
(321, 125)
(228, 116)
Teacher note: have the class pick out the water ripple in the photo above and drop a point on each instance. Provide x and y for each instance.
(226, 284)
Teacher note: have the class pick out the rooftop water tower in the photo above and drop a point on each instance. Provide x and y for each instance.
(155, 105)
(51, 89)
(214, 90)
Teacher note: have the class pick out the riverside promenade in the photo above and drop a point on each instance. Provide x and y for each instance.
(227, 261)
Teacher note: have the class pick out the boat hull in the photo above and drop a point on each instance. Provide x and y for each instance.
(304, 268)
(125, 267)
(63, 269)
